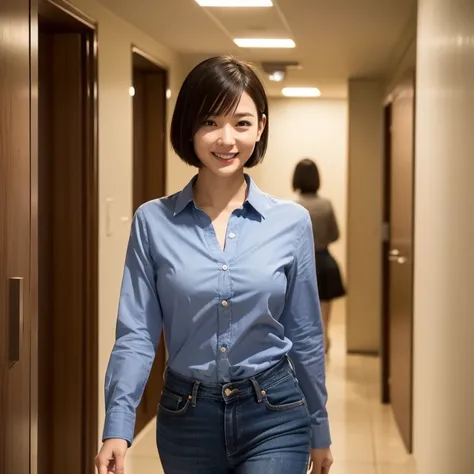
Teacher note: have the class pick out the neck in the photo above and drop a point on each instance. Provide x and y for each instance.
(219, 193)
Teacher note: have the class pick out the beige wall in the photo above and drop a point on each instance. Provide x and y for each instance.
(315, 129)
(115, 157)
(444, 239)
(364, 215)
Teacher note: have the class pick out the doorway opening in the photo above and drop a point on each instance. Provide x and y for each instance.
(149, 93)
(385, 324)
(67, 240)
(149, 128)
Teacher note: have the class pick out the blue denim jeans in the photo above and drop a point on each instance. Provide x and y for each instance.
(254, 426)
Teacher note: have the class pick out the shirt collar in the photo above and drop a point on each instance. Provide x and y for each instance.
(257, 199)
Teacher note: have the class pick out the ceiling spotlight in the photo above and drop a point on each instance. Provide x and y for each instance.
(277, 76)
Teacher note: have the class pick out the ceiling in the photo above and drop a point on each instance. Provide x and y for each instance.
(335, 39)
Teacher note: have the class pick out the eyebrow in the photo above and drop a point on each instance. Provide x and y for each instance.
(243, 114)
(240, 115)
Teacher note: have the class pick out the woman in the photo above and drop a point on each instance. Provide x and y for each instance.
(306, 181)
(228, 273)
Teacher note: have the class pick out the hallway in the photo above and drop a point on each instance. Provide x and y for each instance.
(365, 437)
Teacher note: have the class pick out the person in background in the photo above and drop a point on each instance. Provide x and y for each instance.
(227, 272)
(306, 181)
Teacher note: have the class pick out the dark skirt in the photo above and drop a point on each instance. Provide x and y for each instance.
(330, 284)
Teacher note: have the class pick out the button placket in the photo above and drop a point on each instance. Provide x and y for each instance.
(224, 269)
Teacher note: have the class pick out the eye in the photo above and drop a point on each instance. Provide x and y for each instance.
(208, 123)
(244, 123)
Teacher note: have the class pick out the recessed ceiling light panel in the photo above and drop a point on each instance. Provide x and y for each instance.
(301, 92)
(264, 42)
(235, 3)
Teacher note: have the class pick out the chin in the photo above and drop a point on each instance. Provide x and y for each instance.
(226, 170)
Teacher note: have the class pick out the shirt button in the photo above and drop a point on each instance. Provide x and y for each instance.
(223, 349)
(231, 235)
(224, 303)
(225, 267)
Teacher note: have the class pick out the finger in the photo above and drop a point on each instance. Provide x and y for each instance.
(101, 466)
(316, 468)
(119, 464)
(325, 469)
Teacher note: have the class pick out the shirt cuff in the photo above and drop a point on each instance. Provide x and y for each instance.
(119, 425)
(320, 436)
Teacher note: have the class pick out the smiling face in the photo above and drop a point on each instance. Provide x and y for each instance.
(220, 119)
(225, 143)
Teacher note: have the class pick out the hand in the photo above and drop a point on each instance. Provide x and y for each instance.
(111, 457)
(322, 460)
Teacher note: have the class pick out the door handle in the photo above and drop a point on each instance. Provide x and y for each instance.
(400, 260)
(15, 316)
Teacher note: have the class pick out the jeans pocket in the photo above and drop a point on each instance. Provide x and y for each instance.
(173, 404)
(283, 394)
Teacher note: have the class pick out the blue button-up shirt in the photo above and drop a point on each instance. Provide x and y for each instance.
(226, 315)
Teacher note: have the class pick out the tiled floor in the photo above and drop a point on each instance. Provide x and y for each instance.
(365, 438)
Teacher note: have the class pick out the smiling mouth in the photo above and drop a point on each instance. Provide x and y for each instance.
(225, 156)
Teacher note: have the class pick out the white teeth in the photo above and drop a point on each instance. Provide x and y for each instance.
(225, 157)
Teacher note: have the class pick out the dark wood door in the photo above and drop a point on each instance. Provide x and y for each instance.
(400, 257)
(149, 178)
(15, 314)
(67, 246)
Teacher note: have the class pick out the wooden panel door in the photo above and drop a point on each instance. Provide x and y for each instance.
(400, 257)
(15, 317)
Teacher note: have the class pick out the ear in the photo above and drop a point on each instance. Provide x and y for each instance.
(261, 126)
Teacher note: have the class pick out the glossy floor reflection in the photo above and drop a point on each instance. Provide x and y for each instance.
(365, 438)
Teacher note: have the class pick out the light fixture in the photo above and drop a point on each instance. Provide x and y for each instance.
(264, 42)
(131, 91)
(301, 92)
(234, 3)
(277, 76)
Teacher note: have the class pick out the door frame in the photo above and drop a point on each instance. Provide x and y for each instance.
(92, 234)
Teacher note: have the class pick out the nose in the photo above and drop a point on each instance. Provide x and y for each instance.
(226, 136)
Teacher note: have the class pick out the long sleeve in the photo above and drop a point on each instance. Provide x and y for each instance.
(302, 321)
(138, 329)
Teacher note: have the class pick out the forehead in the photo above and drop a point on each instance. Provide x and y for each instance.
(246, 103)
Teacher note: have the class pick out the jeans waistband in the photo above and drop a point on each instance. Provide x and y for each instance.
(231, 390)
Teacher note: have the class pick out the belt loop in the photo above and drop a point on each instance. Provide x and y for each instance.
(256, 387)
(194, 394)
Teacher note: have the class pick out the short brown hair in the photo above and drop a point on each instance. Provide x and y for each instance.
(212, 88)
(306, 177)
